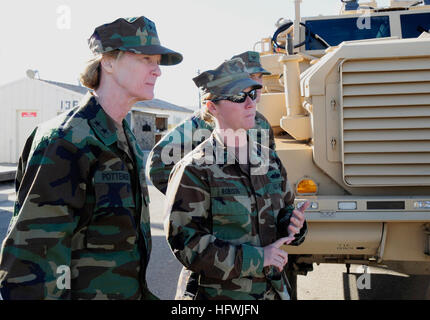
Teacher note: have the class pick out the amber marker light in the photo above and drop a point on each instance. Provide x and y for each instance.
(306, 186)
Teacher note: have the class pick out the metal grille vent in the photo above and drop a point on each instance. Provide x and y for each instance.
(386, 122)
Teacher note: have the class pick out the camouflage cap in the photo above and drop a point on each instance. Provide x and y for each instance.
(252, 62)
(137, 35)
(228, 79)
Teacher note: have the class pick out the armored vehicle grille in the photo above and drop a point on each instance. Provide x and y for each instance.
(386, 122)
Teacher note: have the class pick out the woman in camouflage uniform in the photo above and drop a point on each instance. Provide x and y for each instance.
(227, 217)
(192, 131)
(81, 228)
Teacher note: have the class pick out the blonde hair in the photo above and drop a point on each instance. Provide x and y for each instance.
(206, 115)
(90, 77)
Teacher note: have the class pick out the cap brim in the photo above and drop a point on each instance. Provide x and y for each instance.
(235, 87)
(168, 57)
(253, 70)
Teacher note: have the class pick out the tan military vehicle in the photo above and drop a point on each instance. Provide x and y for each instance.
(349, 101)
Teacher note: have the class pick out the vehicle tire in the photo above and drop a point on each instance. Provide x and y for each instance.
(292, 279)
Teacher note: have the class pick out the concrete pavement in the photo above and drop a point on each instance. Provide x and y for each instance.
(7, 198)
(7, 172)
(163, 268)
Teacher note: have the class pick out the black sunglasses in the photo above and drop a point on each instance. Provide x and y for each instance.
(238, 98)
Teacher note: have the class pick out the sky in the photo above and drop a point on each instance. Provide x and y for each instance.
(50, 36)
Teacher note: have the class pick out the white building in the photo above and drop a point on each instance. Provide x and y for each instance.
(23, 105)
(28, 102)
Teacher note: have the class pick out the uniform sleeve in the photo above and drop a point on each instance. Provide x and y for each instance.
(272, 144)
(158, 171)
(166, 153)
(173, 147)
(188, 229)
(37, 249)
(286, 212)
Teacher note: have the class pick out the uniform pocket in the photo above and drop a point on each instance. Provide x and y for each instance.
(113, 189)
(231, 214)
(274, 191)
(274, 186)
(231, 206)
(230, 201)
(112, 227)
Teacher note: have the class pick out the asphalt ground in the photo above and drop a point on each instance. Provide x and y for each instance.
(325, 282)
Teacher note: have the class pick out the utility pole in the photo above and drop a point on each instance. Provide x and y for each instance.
(200, 102)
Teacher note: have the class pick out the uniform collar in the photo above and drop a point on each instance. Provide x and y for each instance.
(106, 129)
(100, 121)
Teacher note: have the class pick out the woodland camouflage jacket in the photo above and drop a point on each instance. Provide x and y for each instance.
(82, 203)
(220, 216)
(184, 138)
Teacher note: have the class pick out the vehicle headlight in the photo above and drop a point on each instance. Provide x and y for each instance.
(313, 205)
(347, 205)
